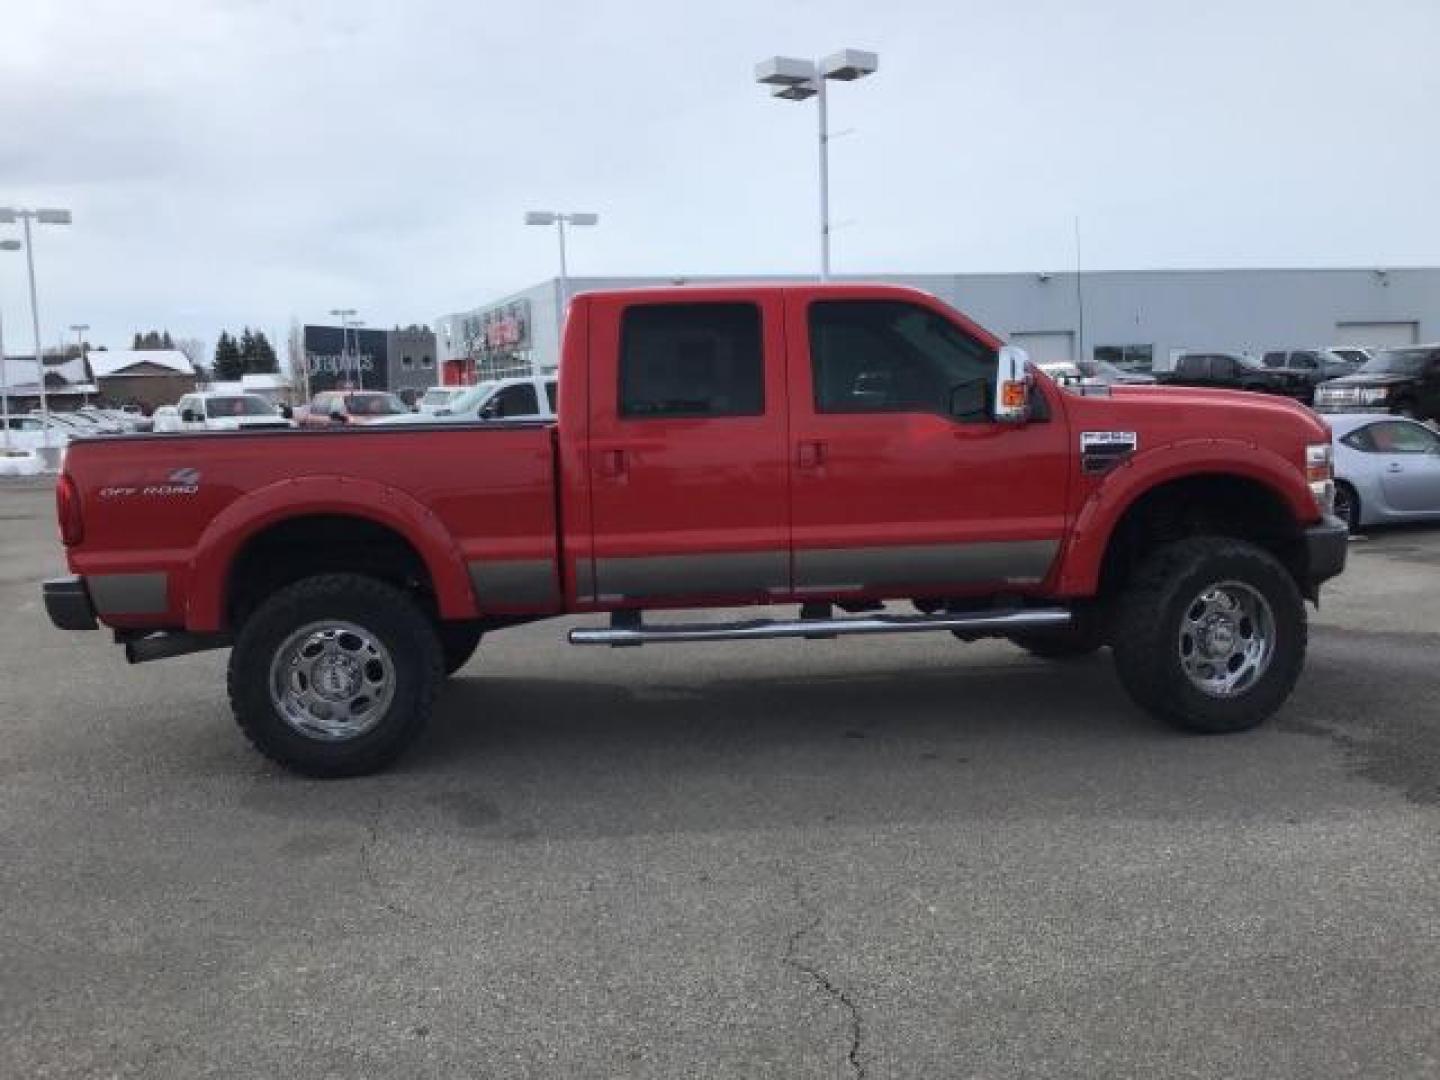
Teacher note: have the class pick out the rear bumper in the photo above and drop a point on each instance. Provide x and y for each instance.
(67, 602)
(1326, 546)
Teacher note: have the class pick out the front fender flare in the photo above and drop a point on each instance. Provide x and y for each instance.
(1084, 552)
(310, 496)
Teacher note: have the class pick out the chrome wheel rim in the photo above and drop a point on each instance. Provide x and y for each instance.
(332, 681)
(1226, 639)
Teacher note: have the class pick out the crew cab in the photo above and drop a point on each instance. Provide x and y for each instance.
(862, 454)
(1236, 371)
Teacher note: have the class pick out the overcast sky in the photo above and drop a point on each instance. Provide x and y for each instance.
(234, 161)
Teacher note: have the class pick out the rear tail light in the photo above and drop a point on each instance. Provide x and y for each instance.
(67, 510)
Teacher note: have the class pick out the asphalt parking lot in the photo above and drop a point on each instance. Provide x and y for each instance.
(873, 857)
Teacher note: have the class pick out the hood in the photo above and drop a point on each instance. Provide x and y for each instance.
(1173, 413)
(1372, 378)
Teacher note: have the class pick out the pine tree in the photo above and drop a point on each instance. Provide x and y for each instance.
(138, 343)
(262, 360)
(165, 342)
(229, 365)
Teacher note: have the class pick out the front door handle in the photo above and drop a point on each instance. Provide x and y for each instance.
(612, 463)
(1394, 466)
(810, 454)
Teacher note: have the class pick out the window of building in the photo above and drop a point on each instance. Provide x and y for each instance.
(426, 361)
(693, 360)
(893, 356)
(407, 362)
(1128, 357)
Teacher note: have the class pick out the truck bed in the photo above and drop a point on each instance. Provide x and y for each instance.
(478, 502)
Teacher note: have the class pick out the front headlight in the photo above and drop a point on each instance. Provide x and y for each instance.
(1320, 473)
(1372, 394)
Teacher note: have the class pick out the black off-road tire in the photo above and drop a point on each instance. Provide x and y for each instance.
(392, 616)
(458, 642)
(1147, 631)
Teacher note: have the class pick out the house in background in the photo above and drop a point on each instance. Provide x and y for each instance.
(145, 377)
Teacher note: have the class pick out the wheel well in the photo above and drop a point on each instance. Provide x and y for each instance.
(1211, 504)
(321, 544)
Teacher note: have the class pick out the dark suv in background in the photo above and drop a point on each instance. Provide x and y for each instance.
(1403, 381)
(1235, 371)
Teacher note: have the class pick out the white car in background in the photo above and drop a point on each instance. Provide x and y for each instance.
(527, 398)
(439, 397)
(228, 412)
(27, 432)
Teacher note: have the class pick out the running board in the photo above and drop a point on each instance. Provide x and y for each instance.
(627, 629)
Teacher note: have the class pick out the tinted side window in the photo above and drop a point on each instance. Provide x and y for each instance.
(1193, 367)
(1359, 439)
(691, 360)
(550, 395)
(1274, 359)
(892, 356)
(1396, 437)
(1222, 367)
(517, 400)
(1307, 360)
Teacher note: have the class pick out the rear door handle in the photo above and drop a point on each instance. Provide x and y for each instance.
(612, 463)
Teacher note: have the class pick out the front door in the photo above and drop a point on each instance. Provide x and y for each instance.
(1409, 456)
(902, 483)
(687, 450)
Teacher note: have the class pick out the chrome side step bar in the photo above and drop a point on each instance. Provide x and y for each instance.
(626, 628)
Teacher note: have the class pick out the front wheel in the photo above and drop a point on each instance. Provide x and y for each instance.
(335, 675)
(1211, 634)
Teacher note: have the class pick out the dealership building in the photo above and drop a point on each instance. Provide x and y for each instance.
(1135, 318)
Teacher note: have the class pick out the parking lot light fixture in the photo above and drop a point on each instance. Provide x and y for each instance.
(5, 245)
(348, 322)
(793, 79)
(8, 215)
(560, 219)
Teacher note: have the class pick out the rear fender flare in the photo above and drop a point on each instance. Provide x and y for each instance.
(308, 496)
(1095, 523)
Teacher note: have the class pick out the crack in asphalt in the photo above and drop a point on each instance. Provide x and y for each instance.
(823, 981)
(367, 867)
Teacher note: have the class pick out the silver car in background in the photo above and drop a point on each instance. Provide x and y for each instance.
(1387, 469)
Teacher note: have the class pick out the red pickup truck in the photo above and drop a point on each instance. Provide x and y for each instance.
(827, 446)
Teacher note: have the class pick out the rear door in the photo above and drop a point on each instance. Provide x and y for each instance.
(901, 485)
(687, 450)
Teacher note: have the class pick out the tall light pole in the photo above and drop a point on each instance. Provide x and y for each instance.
(5, 245)
(560, 220)
(80, 329)
(348, 322)
(45, 217)
(797, 80)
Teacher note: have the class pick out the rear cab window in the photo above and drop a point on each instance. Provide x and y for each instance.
(691, 361)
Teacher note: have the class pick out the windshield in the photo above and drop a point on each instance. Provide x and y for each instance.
(239, 405)
(470, 400)
(375, 405)
(1396, 362)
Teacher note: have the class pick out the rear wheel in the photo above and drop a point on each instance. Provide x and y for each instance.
(335, 675)
(1211, 634)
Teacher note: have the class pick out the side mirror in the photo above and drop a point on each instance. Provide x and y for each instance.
(190, 416)
(337, 416)
(287, 412)
(1012, 385)
(490, 411)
